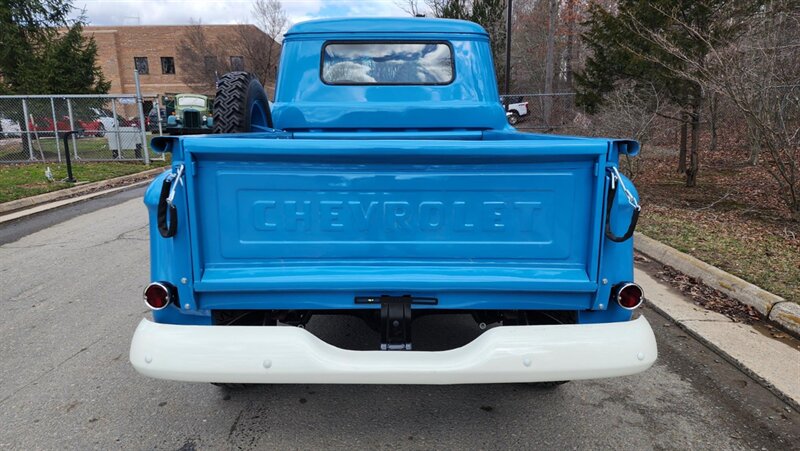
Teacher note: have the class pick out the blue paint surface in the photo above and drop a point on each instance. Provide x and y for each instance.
(391, 190)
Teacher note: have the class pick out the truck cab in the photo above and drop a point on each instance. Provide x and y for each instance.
(385, 183)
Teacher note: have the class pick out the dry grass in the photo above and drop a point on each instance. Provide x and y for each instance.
(733, 219)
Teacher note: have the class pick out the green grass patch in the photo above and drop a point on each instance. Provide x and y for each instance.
(86, 147)
(24, 180)
(755, 254)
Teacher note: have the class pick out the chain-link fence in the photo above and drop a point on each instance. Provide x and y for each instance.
(114, 127)
(553, 113)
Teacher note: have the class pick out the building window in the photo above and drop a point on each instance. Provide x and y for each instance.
(210, 63)
(237, 63)
(140, 64)
(167, 65)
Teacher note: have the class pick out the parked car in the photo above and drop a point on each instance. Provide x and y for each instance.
(106, 117)
(515, 110)
(44, 126)
(154, 116)
(384, 183)
(9, 128)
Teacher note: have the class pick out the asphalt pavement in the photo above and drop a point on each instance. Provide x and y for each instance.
(70, 284)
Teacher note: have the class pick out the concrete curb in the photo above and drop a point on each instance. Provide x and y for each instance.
(787, 314)
(771, 363)
(773, 307)
(76, 191)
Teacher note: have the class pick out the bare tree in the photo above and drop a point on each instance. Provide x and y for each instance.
(630, 112)
(271, 18)
(570, 19)
(258, 51)
(760, 73)
(200, 59)
(412, 7)
(549, 62)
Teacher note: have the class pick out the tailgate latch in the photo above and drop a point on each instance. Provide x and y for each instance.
(396, 318)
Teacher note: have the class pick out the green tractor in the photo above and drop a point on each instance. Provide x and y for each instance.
(191, 115)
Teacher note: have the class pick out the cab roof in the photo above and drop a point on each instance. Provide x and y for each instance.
(389, 25)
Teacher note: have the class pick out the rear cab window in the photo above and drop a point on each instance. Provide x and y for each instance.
(387, 63)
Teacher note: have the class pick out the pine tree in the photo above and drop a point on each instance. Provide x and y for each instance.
(490, 14)
(44, 52)
(70, 65)
(635, 43)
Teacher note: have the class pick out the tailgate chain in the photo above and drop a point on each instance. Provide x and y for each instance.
(166, 204)
(616, 179)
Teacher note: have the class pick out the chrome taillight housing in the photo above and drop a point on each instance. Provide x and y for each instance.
(158, 295)
(628, 295)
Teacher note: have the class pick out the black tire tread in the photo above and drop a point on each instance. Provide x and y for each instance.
(230, 103)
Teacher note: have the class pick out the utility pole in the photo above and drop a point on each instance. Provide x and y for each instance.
(508, 54)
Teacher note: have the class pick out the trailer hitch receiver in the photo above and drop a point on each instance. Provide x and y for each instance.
(396, 319)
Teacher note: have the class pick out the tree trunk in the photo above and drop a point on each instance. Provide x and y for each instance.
(694, 158)
(570, 41)
(269, 54)
(684, 139)
(549, 62)
(754, 140)
(794, 204)
(714, 110)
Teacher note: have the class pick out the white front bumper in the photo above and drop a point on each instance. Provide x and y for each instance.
(290, 355)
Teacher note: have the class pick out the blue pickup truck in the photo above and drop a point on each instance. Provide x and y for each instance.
(385, 183)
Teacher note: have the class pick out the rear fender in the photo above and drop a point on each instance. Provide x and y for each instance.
(616, 262)
(170, 258)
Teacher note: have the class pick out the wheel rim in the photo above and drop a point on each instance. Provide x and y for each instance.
(258, 118)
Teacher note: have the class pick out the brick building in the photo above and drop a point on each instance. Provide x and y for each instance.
(153, 49)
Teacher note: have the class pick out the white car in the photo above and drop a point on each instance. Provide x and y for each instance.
(105, 117)
(9, 128)
(515, 111)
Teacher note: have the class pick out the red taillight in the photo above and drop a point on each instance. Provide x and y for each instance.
(628, 295)
(158, 295)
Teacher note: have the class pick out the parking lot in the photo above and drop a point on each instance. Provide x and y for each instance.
(70, 284)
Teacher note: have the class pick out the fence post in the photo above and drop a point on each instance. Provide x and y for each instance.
(55, 128)
(140, 107)
(158, 113)
(70, 178)
(116, 130)
(72, 128)
(27, 139)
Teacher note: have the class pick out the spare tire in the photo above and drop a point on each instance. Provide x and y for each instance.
(241, 105)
